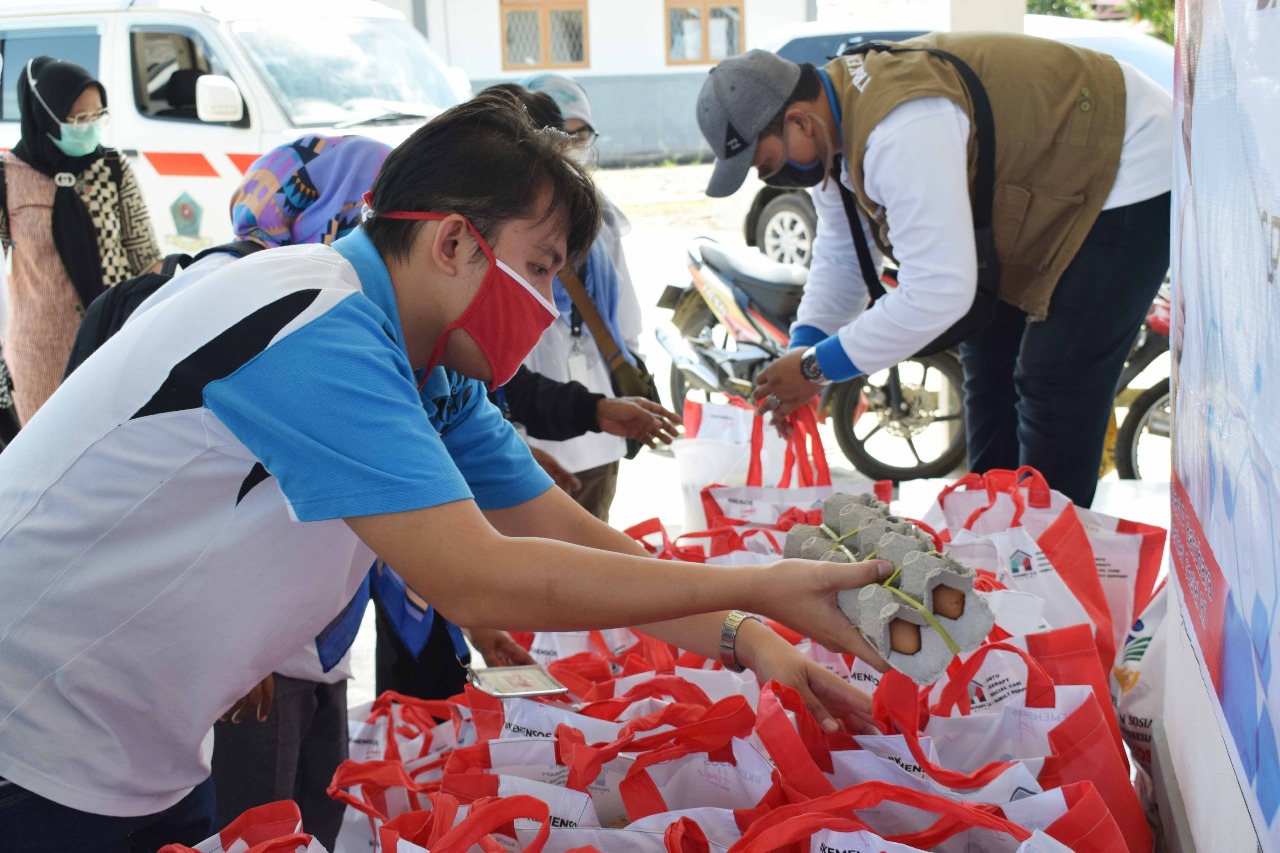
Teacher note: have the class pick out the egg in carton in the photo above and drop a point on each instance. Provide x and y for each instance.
(945, 587)
(898, 632)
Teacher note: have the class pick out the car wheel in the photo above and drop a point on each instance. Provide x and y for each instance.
(786, 228)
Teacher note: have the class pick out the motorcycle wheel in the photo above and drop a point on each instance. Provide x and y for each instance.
(882, 443)
(1149, 416)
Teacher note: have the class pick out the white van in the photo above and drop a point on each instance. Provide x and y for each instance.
(198, 89)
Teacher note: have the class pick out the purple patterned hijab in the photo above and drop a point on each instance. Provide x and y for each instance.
(309, 191)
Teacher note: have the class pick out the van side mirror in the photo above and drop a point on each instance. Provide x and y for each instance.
(218, 99)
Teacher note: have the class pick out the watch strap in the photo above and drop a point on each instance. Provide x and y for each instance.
(729, 638)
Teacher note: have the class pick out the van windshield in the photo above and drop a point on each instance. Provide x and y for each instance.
(332, 71)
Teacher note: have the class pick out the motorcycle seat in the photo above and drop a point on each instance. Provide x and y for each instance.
(749, 266)
(774, 288)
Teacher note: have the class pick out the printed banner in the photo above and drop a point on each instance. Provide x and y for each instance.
(1226, 492)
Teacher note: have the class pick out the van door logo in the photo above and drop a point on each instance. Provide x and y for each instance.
(187, 215)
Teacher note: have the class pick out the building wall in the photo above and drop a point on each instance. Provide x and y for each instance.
(643, 107)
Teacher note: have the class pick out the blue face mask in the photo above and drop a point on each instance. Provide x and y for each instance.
(77, 140)
(793, 175)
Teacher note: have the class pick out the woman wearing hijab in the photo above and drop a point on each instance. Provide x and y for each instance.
(74, 218)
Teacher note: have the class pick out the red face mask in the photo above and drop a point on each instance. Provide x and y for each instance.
(505, 318)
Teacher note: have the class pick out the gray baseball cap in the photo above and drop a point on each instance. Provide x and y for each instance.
(738, 98)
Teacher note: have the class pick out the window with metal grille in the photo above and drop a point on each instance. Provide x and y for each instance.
(544, 34)
(701, 31)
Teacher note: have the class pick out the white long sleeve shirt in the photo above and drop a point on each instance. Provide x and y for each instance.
(916, 169)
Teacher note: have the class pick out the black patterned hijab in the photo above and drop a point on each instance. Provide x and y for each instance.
(59, 84)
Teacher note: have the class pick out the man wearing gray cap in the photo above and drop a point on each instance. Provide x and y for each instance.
(1068, 223)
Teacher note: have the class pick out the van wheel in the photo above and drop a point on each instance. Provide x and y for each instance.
(786, 228)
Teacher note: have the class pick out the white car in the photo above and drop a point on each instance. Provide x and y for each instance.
(199, 89)
(782, 223)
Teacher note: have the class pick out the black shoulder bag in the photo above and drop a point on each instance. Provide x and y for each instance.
(982, 311)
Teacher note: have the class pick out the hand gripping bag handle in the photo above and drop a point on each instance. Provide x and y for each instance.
(797, 822)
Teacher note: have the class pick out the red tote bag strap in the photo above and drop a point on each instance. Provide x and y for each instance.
(755, 466)
(955, 694)
(970, 481)
(668, 550)
(780, 827)
(584, 761)
(380, 775)
(805, 452)
(285, 844)
(799, 752)
(933, 535)
(1039, 495)
(896, 703)
(731, 717)
(686, 836)
(999, 482)
(493, 815)
(264, 822)
(672, 686)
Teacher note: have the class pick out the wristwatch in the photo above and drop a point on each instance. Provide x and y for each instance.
(810, 369)
(729, 638)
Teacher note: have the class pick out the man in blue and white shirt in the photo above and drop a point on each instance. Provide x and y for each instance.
(207, 491)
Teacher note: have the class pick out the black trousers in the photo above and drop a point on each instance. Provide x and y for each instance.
(1041, 393)
(290, 756)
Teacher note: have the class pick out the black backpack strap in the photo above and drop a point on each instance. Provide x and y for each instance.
(867, 265)
(239, 248)
(173, 263)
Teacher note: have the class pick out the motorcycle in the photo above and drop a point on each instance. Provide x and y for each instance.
(1145, 432)
(730, 322)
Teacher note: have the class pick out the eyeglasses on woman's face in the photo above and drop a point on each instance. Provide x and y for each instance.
(583, 133)
(90, 117)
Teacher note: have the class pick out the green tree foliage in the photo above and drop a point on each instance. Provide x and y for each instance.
(1157, 13)
(1062, 8)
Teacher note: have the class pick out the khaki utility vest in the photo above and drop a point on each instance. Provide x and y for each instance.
(1059, 123)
